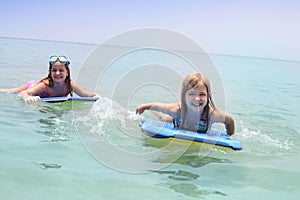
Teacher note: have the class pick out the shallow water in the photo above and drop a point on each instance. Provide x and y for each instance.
(97, 151)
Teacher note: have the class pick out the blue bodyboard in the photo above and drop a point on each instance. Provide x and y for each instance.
(163, 130)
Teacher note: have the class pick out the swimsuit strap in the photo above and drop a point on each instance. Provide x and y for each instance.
(203, 123)
(67, 90)
(175, 123)
(47, 89)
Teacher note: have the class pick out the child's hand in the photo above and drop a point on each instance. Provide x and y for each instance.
(140, 109)
(31, 99)
(97, 96)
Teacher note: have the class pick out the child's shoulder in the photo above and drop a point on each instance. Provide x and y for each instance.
(45, 81)
(175, 107)
(217, 114)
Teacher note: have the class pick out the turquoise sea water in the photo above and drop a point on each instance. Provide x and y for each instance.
(52, 151)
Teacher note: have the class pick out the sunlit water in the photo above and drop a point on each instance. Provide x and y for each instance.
(55, 151)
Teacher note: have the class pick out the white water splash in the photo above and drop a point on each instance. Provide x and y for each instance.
(108, 116)
(255, 140)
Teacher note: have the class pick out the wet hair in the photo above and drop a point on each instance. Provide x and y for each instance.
(192, 81)
(68, 78)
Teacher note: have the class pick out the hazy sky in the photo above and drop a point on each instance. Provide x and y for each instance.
(260, 28)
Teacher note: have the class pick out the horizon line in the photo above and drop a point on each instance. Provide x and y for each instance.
(211, 53)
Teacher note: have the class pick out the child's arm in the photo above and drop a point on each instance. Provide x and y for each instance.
(170, 109)
(29, 94)
(222, 117)
(83, 92)
(163, 117)
(229, 124)
(16, 90)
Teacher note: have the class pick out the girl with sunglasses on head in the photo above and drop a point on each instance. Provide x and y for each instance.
(196, 112)
(58, 83)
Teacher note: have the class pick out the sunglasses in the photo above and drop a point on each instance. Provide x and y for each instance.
(62, 59)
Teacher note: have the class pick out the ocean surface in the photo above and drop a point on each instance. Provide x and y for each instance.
(86, 150)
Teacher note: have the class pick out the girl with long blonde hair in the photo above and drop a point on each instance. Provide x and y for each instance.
(196, 111)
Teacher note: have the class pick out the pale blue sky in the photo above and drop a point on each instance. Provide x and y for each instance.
(260, 28)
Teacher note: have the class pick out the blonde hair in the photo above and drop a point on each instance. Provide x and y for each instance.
(192, 81)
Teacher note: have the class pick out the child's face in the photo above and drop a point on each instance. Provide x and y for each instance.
(59, 72)
(196, 98)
